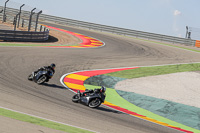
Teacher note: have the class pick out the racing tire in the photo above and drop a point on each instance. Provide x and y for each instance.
(30, 77)
(94, 103)
(75, 98)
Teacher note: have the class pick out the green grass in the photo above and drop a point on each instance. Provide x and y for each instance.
(12, 44)
(24, 45)
(41, 122)
(113, 97)
(155, 70)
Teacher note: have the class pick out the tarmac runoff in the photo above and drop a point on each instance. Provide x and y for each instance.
(117, 101)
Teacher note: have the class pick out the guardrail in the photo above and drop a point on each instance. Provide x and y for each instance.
(111, 29)
(23, 35)
(117, 30)
(41, 33)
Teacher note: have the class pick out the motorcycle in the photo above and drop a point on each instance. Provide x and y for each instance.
(93, 100)
(40, 77)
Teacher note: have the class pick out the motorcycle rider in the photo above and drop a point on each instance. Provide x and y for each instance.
(101, 90)
(50, 69)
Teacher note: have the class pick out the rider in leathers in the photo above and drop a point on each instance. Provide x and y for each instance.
(50, 69)
(102, 90)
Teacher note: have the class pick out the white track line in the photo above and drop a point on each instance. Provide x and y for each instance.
(46, 119)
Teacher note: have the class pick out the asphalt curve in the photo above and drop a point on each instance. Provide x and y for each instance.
(53, 101)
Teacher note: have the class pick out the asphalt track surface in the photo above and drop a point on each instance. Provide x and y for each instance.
(53, 101)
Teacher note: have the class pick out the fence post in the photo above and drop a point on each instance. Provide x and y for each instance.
(37, 20)
(15, 22)
(22, 22)
(4, 12)
(30, 19)
(40, 28)
(189, 35)
(19, 15)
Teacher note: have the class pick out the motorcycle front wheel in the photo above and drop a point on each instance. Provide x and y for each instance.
(30, 77)
(94, 103)
(75, 98)
(41, 79)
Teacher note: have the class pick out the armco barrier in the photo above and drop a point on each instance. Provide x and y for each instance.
(16, 35)
(111, 29)
(116, 30)
(23, 35)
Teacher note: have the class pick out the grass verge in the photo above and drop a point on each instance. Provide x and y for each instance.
(155, 70)
(113, 97)
(41, 122)
(26, 45)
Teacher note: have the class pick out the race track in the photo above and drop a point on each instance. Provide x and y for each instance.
(53, 101)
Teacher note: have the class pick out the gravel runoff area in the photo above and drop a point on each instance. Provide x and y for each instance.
(177, 87)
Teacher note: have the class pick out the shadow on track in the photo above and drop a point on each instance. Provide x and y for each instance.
(99, 108)
(108, 110)
(54, 86)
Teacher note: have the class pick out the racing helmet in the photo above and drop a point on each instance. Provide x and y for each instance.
(103, 89)
(53, 65)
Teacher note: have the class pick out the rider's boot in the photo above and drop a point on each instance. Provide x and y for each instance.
(79, 93)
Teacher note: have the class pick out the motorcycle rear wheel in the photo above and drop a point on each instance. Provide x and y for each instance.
(94, 103)
(75, 98)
